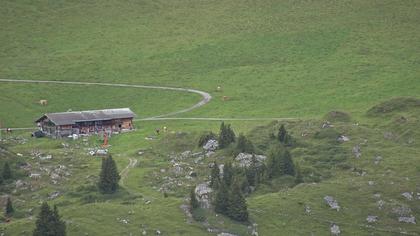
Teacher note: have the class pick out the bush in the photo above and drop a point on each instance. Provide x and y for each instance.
(199, 214)
(338, 116)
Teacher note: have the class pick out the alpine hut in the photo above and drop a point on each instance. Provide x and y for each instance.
(86, 122)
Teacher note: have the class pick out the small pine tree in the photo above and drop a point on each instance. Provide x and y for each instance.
(109, 177)
(9, 208)
(194, 204)
(282, 134)
(59, 225)
(288, 167)
(49, 223)
(237, 208)
(228, 174)
(215, 176)
(221, 201)
(7, 172)
(252, 172)
(244, 145)
(226, 135)
(273, 162)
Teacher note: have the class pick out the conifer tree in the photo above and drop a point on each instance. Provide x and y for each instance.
(288, 167)
(282, 134)
(221, 201)
(244, 145)
(7, 172)
(237, 208)
(273, 162)
(227, 174)
(193, 200)
(226, 135)
(109, 177)
(9, 208)
(215, 176)
(49, 223)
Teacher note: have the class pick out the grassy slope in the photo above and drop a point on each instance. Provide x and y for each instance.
(20, 107)
(273, 58)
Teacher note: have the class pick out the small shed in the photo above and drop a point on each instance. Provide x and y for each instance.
(86, 122)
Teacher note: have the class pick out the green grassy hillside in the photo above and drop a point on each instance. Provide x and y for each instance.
(272, 58)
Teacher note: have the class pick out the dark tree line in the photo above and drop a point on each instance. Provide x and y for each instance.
(229, 199)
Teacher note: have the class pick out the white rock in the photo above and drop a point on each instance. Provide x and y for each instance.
(211, 145)
(407, 219)
(372, 219)
(245, 159)
(343, 138)
(335, 230)
(202, 193)
(408, 195)
(332, 203)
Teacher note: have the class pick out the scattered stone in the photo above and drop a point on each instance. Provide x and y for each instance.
(343, 138)
(186, 154)
(20, 184)
(408, 195)
(377, 195)
(245, 159)
(226, 234)
(140, 153)
(202, 193)
(101, 152)
(407, 219)
(357, 151)
(332, 203)
(377, 160)
(211, 145)
(35, 176)
(335, 230)
(380, 204)
(401, 210)
(326, 124)
(53, 195)
(372, 219)
(158, 232)
(308, 210)
(371, 183)
(19, 154)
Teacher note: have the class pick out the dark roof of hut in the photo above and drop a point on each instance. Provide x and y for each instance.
(68, 118)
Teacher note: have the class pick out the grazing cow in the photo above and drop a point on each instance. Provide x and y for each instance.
(43, 102)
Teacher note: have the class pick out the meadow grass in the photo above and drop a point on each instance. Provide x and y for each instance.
(271, 58)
